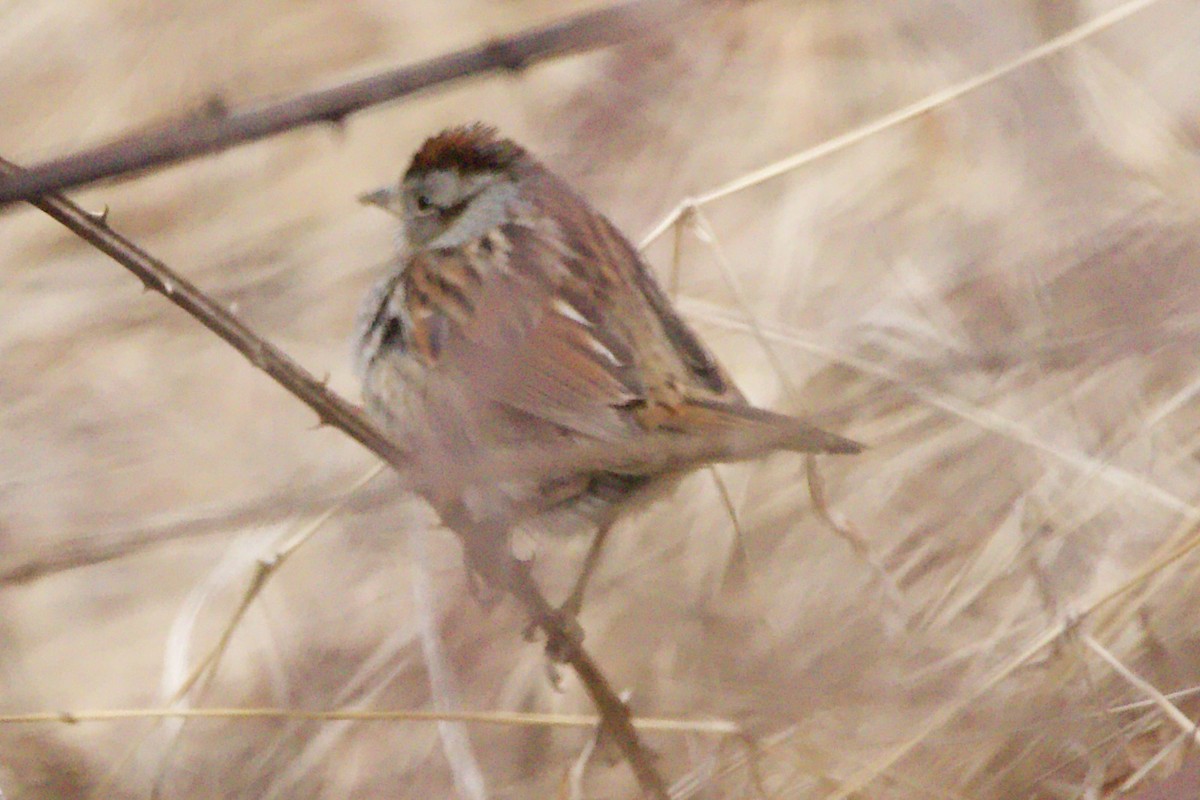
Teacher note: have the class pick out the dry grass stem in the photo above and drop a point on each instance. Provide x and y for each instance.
(265, 568)
(1054, 46)
(505, 718)
(1145, 687)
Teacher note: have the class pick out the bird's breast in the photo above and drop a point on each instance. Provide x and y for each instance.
(441, 292)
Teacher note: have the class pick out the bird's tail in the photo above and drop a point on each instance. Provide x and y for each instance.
(751, 432)
(696, 433)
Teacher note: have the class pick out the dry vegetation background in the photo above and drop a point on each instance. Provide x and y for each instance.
(1000, 297)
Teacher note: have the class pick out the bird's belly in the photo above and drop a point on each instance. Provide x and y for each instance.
(451, 438)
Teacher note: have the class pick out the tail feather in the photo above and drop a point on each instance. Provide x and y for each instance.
(757, 431)
(699, 432)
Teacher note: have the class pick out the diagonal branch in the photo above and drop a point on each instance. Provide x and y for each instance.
(154, 274)
(220, 128)
(343, 415)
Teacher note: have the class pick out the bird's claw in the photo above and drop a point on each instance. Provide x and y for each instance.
(484, 592)
(564, 635)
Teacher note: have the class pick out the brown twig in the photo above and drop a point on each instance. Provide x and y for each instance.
(337, 412)
(154, 274)
(220, 128)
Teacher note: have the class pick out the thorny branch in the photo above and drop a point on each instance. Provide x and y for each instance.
(343, 415)
(220, 128)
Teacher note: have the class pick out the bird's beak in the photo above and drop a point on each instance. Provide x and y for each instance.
(388, 198)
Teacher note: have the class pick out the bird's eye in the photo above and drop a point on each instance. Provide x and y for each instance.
(424, 202)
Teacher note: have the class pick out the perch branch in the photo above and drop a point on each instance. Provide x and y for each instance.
(219, 128)
(154, 274)
(339, 413)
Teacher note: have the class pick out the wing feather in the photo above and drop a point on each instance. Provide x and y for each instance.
(563, 324)
(541, 343)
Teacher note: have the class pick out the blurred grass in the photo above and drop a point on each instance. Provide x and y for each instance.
(999, 296)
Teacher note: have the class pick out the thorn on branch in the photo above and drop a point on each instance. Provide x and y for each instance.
(506, 54)
(214, 107)
(99, 217)
(255, 353)
(337, 123)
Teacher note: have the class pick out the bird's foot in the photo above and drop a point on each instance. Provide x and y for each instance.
(564, 636)
(481, 582)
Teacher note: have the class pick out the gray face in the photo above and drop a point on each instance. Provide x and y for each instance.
(447, 208)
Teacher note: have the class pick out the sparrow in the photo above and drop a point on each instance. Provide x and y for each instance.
(526, 362)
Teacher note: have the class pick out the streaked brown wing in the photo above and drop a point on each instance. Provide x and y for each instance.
(563, 324)
(537, 340)
(747, 428)
(683, 390)
(599, 254)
